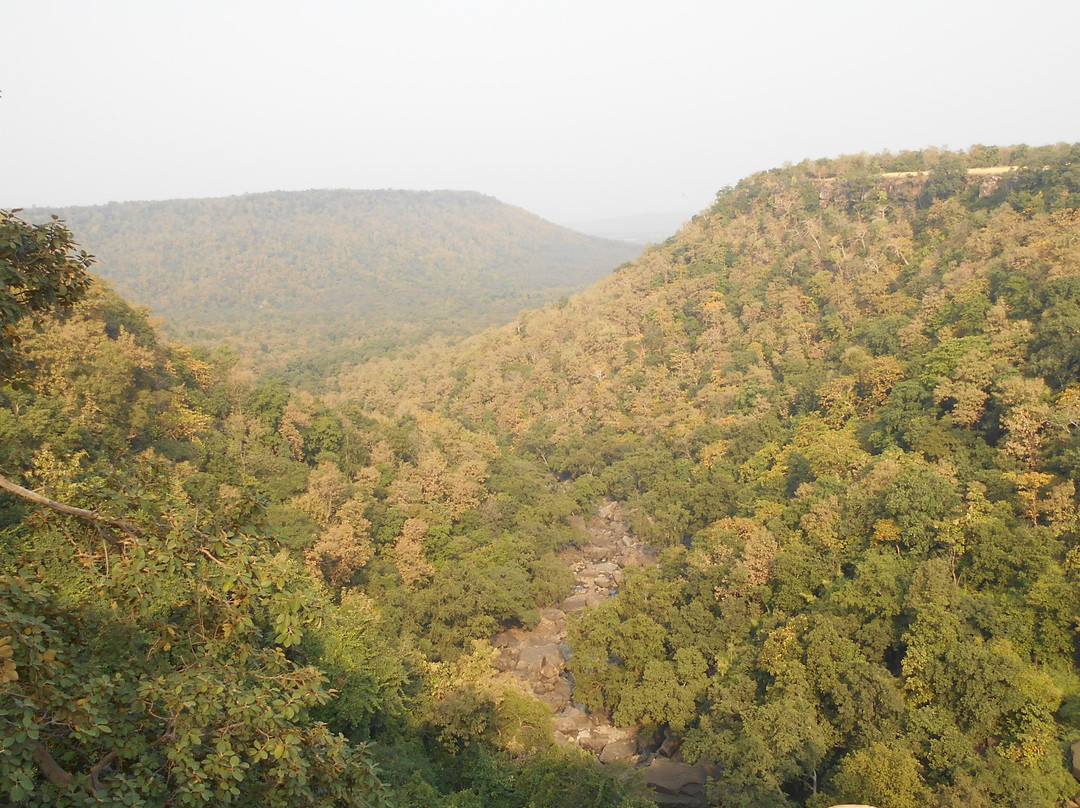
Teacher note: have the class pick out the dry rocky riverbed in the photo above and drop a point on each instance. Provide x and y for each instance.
(538, 657)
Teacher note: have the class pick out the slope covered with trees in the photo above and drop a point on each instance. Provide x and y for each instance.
(335, 273)
(215, 593)
(844, 399)
(843, 403)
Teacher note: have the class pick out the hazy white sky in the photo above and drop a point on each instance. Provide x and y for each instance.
(573, 110)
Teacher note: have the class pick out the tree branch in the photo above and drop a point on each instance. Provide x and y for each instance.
(82, 513)
(95, 784)
(49, 767)
(57, 775)
(213, 558)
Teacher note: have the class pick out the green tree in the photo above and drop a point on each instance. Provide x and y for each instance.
(884, 774)
(41, 270)
(155, 671)
(144, 636)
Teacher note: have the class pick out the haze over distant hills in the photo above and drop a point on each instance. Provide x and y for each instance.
(642, 228)
(337, 271)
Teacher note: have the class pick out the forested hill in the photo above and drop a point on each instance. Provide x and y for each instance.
(845, 398)
(842, 404)
(338, 271)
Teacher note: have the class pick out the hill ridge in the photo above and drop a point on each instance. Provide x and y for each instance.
(335, 271)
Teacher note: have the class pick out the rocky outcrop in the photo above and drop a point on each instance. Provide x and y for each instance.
(598, 566)
(538, 658)
(678, 785)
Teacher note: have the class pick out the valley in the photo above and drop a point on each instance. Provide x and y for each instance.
(780, 514)
(300, 282)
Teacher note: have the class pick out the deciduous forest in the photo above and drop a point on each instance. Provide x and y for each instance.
(839, 408)
(300, 282)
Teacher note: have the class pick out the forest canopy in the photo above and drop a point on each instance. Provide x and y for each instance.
(841, 405)
(301, 281)
(844, 399)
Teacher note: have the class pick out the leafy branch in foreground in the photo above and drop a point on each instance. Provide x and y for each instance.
(158, 670)
(145, 639)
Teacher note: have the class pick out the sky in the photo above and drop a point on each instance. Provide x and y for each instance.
(575, 111)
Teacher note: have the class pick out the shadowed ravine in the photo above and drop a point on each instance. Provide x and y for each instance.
(538, 657)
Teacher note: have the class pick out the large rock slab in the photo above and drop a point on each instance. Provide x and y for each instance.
(677, 785)
(555, 616)
(540, 637)
(595, 552)
(576, 602)
(610, 511)
(511, 638)
(619, 750)
(592, 743)
(571, 721)
(533, 658)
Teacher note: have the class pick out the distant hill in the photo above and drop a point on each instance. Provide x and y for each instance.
(336, 272)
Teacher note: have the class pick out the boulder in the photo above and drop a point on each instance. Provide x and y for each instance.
(507, 660)
(549, 672)
(677, 785)
(669, 747)
(536, 657)
(619, 750)
(609, 734)
(551, 629)
(510, 638)
(540, 637)
(576, 602)
(571, 721)
(558, 696)
(596, 598)
(609, 511)
(1075, 749)
(590, 742)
